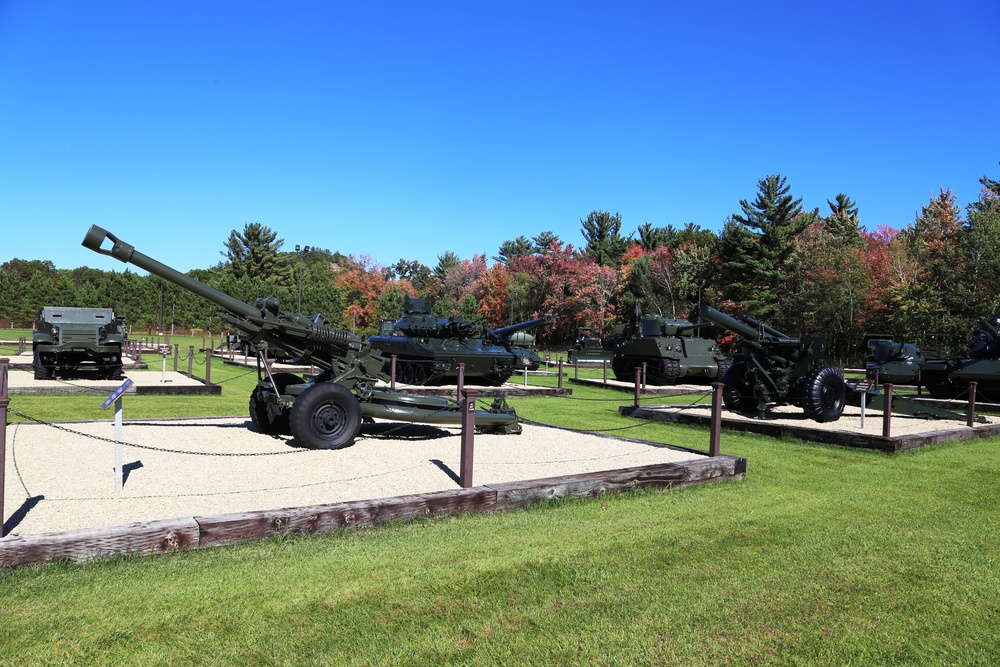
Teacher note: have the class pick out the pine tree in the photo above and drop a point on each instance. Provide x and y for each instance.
(602, 231)
(757, 245)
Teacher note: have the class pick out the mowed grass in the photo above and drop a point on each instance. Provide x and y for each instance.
(822, 556)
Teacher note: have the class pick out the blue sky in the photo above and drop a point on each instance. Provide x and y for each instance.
(405, 129)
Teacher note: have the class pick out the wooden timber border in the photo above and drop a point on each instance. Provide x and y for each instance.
(170, 535)
(898, 443)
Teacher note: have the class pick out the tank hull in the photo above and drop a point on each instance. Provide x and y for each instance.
(670, 359)
(436, 361)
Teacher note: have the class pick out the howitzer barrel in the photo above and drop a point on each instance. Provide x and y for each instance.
(520, 326)
(988, 326)
(129, 255)
(726, 322)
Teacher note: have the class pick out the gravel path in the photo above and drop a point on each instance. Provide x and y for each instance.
(65, 479)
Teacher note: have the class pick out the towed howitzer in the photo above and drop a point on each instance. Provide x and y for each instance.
(772, 367)
(326, 411)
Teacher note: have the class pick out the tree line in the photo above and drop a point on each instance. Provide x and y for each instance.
(801, 271)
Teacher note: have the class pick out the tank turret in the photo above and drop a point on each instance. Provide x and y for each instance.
(428, 349)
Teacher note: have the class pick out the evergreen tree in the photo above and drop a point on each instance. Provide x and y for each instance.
(602, 231)
(843, 223)
(254, 252)
(511, 250)
(544, 241)
(445, 262)
(759, 243)
(651, 238)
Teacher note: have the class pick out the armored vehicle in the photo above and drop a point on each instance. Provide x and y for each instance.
(588, 347)
(670, 350)
(944, 375)
(428, 349)
(773, 367)
(68, 340)
(326, 411)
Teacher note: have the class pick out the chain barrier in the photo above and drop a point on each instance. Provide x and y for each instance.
(150, 447)
(237, 377)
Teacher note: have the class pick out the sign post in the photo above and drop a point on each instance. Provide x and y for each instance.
(116, 398)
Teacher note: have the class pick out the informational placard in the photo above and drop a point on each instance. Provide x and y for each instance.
(116, 394)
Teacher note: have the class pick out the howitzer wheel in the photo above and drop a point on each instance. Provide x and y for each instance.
(326, 416)
(824, 391)
(737, 394)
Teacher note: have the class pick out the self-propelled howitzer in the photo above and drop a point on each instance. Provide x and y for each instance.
(325, 412)
(773, 367)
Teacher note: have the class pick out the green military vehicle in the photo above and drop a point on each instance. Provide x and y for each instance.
(588, 347)
(68, 340)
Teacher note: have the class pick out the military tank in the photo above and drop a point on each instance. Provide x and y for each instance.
(429, 349)
(670, 350)
(68, 340)
(944, 376)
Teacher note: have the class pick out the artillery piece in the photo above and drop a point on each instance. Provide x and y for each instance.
(772, 367)
(428, 349)
(326, 411)
(945, 376)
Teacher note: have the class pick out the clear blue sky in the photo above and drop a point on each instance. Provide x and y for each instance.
(405, 129)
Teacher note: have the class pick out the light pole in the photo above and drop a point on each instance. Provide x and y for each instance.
(301, 251)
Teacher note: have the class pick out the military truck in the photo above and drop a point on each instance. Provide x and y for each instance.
(588, 347)
(69, 340)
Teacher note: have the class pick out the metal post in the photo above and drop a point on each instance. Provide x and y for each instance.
(864, 399)
(560, 381)
(468, 433)
(576, 369)
(4, 402)
(604, 365)
(392, 372)
(461, 381)
(644, 375)
(119, 475)
(715, 430)
(21, 345)
(191, 361)
(887, 411)
(637, 391)
(138, 346)
(972, 404)
(208, 368)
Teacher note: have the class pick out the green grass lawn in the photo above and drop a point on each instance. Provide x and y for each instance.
(822, 556)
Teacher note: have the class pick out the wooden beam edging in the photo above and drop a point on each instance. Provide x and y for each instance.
(146, 538)
(170, 535)
(895, 443)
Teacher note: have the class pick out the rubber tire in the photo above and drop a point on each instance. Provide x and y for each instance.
(325, 416)
(258, 406)
(41, 372)
(736, 395)
(823, 394)
(419, 375)
(407, 373)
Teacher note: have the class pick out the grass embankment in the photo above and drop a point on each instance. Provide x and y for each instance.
(823, 556)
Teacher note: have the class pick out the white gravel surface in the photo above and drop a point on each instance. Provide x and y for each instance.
(65, 479)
